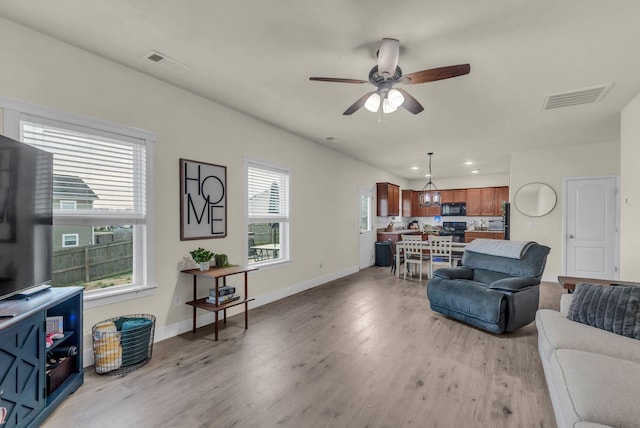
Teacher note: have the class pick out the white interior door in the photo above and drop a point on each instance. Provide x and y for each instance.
(367, 234)
(591, 228)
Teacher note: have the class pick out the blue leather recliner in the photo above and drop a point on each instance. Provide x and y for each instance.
(491, 291)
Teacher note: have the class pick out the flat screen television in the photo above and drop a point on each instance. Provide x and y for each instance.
(26, 226)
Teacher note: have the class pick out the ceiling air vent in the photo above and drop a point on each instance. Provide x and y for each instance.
(166, 62)
(573, 98)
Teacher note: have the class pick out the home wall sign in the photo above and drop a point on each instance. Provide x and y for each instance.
(203, 200)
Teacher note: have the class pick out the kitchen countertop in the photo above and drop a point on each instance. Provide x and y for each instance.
(485, 230)
(395, 232)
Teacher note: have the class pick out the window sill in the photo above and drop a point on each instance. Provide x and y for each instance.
(117, 295)
(270, 265)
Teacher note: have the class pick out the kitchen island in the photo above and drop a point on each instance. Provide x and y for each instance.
(470, 235)
(396, 235)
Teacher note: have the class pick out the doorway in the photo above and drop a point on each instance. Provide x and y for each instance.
(367, 235)
(591, 227)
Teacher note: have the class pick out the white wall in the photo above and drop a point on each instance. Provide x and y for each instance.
(630, 191)
(550, 166)
(324, 228)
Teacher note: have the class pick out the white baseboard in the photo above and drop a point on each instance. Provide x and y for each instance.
(171, 330)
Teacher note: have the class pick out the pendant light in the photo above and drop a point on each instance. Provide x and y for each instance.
(432, 197)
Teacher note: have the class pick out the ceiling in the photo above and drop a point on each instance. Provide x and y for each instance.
(256, 56)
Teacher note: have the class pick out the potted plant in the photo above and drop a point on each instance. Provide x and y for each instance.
(202, 257)
(222, 260)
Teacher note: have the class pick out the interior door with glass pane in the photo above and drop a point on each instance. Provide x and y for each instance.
(367, 234)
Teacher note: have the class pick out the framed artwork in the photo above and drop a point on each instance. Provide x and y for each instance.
(203, 200)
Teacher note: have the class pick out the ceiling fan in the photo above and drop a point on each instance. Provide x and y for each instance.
(386, 74)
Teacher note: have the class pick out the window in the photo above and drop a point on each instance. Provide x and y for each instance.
(101, 178)
(68, 205)
(267, 213)
(365, 210)
(70, 239)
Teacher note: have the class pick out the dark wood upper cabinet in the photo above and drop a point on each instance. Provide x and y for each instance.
(459, 195)
(487, 201)
(502, 196)
(473, 202)
(388, 199)
(446, 196)
(408, 204)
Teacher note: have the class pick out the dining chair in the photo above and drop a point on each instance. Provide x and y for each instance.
(395, 261)
(253, 254)
(412, 245)
(440, 251)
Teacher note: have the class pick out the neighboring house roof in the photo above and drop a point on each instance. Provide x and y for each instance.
(72, 187)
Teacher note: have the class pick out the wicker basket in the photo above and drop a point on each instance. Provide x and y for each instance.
(123, 344)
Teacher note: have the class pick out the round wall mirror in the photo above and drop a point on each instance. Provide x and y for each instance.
(535, 199)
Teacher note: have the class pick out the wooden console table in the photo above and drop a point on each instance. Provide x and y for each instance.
(569, 282)
(216, 274)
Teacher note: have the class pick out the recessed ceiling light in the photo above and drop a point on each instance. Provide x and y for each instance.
(414, 168)
(468, 163)
(427, 175)
(475, 171)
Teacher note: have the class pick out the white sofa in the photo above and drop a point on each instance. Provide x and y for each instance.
(593, 375)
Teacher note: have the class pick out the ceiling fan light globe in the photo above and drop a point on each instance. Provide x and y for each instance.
(387, 107)
(373, 103)
(395, 98)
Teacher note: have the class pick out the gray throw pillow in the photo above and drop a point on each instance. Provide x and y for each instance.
(614, 308)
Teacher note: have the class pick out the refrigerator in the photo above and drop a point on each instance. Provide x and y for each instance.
(506, 218)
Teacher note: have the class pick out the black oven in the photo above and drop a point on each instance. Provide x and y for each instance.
(455, 229)
(453, 209)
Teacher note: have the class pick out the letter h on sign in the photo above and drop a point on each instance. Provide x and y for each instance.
(203, 200)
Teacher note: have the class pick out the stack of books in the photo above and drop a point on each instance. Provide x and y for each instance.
(226, 294)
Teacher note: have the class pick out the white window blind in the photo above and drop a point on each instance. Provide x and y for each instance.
(105, 173)
(268, 192)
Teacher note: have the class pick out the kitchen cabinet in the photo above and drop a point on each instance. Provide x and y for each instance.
(408, 205)
(487, 201)
(482, 202)
(473, 202)
(501, 196)
(470, 236)
(429, 203)
(460, 195)
(396, 235)
(453, 196)
(388, 199)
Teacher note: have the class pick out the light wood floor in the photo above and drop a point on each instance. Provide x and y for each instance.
(362, 351)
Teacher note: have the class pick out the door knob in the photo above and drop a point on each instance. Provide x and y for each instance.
(571, 237)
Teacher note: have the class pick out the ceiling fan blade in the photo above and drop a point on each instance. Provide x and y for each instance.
(358, 104)
(337, 80)
(434, 74)
(410, 103)
(388, 57)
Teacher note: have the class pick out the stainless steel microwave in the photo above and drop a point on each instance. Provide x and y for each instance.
(453, 209)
